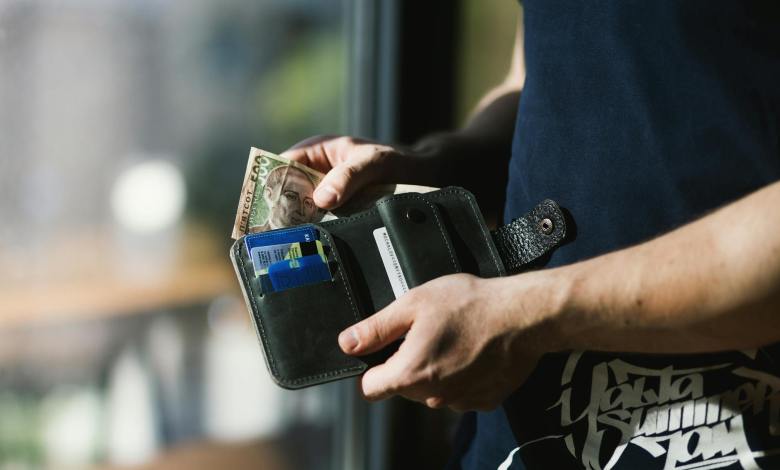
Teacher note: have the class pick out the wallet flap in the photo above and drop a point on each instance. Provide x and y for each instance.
(418, 235)
(468, 232)
(526, 241)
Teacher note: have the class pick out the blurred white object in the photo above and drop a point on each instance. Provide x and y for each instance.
(131, 431)
(70, 427)
(149, 196)
(241, 400)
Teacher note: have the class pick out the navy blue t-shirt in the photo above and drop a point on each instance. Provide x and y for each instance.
(639, 117)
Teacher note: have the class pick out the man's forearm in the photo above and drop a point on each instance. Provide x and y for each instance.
(475, 156)
(711, 285)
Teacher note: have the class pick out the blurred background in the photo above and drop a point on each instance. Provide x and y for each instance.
(124, 131)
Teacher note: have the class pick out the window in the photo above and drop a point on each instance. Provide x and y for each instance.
(124, 132)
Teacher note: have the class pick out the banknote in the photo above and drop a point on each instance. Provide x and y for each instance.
(278, 193)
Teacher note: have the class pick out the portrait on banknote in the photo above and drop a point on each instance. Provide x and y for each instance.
(288, 194)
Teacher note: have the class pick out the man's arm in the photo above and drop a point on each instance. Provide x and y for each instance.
(711, 285)
(473, 156)
(476, 156)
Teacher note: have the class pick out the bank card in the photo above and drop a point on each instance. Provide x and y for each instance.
(301, 249)
(264, 256)
(297, 272)
(276, 237)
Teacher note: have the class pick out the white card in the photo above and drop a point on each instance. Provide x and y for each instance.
(390, 260)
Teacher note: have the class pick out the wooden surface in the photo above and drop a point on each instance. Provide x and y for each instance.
(98, 273)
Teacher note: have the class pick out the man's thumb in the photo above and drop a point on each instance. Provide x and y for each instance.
(376, 331)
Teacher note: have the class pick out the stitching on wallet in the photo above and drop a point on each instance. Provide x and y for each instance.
(488, 242)
(345, 220)
(443, 235)
(490, 245)
(323, 375)
(255, 312)
(341, 273)
(342, 277)
(435, 216)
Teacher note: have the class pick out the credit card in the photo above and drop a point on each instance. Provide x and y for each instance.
(296, 272)
(284, 236)
(264, 256)
(277, 237)
(301, 249)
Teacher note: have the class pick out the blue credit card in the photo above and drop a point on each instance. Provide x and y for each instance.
(277, 237)
(297, 272)
(264, 256)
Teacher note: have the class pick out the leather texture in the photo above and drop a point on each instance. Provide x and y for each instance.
(298, 327)
(416, 229)
(433, 234)
(528, 238)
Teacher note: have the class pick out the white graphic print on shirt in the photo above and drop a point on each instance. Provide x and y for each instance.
(666, 413)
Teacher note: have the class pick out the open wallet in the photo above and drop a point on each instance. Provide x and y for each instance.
(349, 268)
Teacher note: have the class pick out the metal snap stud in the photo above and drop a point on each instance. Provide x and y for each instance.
(546, 226)
(415, 215)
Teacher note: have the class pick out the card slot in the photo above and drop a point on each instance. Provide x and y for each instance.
(298, 327)
(361, 260)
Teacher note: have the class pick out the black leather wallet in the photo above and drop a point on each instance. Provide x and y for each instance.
(432, 234)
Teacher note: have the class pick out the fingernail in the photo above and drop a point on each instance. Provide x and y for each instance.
(348, 340)
(325, 196)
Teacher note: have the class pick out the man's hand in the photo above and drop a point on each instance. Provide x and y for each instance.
(712, 285)
(350, 164)
(442, 159)
(467, 345)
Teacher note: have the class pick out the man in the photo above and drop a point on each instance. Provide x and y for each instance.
(657, 124)
(288, 196)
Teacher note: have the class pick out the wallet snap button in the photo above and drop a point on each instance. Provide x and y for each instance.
(415, 215)
(546, 226)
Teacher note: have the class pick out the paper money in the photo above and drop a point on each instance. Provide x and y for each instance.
(276, 193)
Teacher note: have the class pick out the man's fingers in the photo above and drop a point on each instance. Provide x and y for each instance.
(300, 155)
(384, 380)
(313, 152)
(341, 183)
(376, 331)
(343, 175)
(398, 376)
(348, 164)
